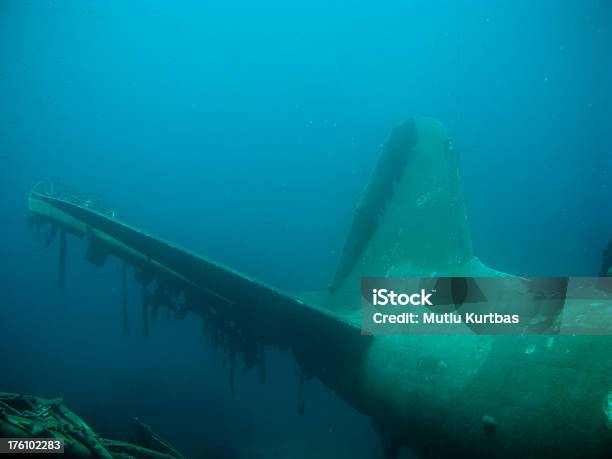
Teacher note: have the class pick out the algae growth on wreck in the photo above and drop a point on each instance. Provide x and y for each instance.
(193, 192)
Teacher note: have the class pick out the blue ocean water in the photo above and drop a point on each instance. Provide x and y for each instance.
(246, 131)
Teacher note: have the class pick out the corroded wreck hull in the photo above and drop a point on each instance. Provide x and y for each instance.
(442, 396)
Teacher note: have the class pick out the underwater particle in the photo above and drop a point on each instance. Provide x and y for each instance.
(530, 349)
(549, 342)
(489, 423)
(607, 409)
(423, 199)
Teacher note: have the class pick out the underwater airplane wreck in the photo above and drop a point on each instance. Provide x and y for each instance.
(475, 395)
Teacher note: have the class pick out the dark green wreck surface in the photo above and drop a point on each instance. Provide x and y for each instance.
(473, 396)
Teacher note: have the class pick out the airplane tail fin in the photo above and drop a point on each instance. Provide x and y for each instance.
(411, 218)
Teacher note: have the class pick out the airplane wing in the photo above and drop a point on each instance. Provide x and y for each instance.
(168, 272)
